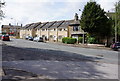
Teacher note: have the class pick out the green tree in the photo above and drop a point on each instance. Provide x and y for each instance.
(94, 21)
(1, 11)
(117, 9)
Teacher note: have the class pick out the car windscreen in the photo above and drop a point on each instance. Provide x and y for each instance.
(6, 36)
(118, 44)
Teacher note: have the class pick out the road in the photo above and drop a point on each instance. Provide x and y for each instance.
(58, 61)
(107, 56)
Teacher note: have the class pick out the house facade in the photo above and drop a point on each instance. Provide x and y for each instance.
(55, 30)
(11, 30)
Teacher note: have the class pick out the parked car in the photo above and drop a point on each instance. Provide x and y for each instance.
(27, 37)
(5, 38)
(0, 37)
(116, 46)
(30, 38)
(38, 39)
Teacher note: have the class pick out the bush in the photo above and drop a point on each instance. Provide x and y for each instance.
(69, 40)
(91, 40)
(80, 39)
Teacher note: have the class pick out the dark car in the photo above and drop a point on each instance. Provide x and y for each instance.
(115, 46)
(0, 37)
(30, 38)
(5, 38)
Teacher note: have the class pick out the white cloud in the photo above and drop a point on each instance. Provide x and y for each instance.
(28, 11)
(107, 5)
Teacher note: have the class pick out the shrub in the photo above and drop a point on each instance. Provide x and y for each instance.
(80, 39)
(69, 40)
(91, 40)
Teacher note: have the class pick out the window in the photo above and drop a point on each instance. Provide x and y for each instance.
(60, 37)
(76, 28)
(60, 29)
(65, 29)
(43, 29)
(14, 30)
(51, 36)
(43, 36)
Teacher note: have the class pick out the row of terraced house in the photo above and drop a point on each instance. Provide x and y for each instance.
(54, 30)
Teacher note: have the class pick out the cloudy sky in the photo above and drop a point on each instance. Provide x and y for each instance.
(29, 11)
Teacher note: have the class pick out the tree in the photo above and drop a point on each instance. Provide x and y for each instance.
(117, 11)
(1, 11)
(94, 21)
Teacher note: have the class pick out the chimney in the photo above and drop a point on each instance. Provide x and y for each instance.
(17, 24)
(21, 25)
(9, 24)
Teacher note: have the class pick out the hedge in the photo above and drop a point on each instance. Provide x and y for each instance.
(69, 40)
(80, 39)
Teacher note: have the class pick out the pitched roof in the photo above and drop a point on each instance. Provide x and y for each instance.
(56, 24)
(41, 25)
(48, 25)
(66, 23)
(10, 26)
(34, 25)
(75, 23)
(26, 26)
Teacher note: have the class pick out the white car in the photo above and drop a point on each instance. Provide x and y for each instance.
(38, 39)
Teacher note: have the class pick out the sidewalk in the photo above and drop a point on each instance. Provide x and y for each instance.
(93, 46)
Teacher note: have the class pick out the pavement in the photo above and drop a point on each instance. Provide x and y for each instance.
(92, 46)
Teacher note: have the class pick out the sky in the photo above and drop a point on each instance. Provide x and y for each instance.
(31, 11)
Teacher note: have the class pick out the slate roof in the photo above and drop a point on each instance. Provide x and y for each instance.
(48, 25)
(26, 26)
(56, 24)
(41, 25)
(34, 25)
(75, 23)
(10, 26)
(66, 23)
(53, 24)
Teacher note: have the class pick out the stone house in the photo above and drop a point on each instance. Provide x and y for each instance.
(11, 30)
(31, 29)
(55, 30)
(39, 32)
(23, 31)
